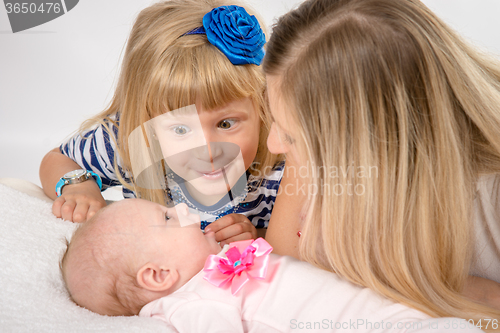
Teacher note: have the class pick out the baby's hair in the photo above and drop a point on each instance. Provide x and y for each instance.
(101, 273)
(164, 70)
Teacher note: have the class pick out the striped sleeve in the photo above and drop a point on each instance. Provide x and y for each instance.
(259, 203)
(95, 150)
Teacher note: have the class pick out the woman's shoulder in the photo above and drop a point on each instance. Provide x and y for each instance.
(486, 261)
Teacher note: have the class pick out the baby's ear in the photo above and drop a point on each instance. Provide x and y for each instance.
(155, 278)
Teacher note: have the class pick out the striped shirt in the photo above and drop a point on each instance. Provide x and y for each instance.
(95, 150)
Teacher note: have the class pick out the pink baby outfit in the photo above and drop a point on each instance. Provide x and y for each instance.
(294, 297)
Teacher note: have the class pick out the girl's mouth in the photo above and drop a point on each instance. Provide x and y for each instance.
(213, 175)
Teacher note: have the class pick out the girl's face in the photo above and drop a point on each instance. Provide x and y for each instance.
(210, 149)
(280, 139)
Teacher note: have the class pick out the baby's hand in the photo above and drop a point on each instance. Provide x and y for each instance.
(232, 228)
(78, 202)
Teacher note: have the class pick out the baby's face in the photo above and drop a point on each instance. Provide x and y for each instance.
(127, 235)
(159, 232)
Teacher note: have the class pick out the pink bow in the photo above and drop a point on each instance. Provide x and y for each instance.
(245, 259)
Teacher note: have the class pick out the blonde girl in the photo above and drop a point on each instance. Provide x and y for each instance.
(381, 96)
(178, 56)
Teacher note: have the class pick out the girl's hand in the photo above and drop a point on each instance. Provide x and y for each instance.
(231, 228)
(78, 202)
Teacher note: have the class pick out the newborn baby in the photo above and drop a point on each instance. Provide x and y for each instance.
(134, 257)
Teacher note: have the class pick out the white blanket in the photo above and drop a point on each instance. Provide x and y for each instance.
(32, 294)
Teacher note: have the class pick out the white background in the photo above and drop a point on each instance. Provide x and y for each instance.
(56, 75)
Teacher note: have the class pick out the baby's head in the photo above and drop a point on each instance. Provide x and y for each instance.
(131, 253)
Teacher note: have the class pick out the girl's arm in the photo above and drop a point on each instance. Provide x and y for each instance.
(285, 220)
(78, 202)
(54, 165)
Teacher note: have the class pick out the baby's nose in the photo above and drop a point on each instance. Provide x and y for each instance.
(185, 217)
(182, 209)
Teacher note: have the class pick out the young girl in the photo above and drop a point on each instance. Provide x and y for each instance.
(181, 54)
(385, 89)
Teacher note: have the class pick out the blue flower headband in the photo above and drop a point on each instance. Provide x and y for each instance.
(235, 33)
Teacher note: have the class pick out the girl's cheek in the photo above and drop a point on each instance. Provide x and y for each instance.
(249, 151)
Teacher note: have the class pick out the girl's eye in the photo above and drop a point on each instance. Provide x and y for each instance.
(166, 216)
(227, 123)
(180, 129)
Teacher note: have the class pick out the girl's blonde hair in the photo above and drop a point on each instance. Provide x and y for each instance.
(163, 70)
(394, 99)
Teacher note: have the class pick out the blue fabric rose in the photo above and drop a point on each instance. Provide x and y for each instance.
(236, 33)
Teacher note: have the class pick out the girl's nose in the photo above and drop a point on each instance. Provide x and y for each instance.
(202, 153)
(211, 152)
(216, 149)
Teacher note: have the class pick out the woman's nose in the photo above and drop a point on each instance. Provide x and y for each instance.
(274, 142)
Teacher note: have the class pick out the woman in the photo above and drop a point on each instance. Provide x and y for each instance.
(390, 119)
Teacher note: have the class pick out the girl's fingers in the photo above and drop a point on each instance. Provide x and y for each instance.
(226, 221)
(240, 237)
(80, 212)
(230, 231)
(56, 206)
(67, 210)
(238, 231)
(77, 207)
(231, 228)
(94, 207)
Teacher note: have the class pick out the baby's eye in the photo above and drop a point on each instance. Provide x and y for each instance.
(180, 129)
(227, 123)
(166, 216)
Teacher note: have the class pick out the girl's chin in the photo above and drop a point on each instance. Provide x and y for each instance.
(210, 189)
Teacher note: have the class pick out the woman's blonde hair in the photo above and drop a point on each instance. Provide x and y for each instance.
(163, 70)
(388, 94)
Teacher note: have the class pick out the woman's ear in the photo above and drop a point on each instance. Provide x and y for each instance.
(155, 278)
